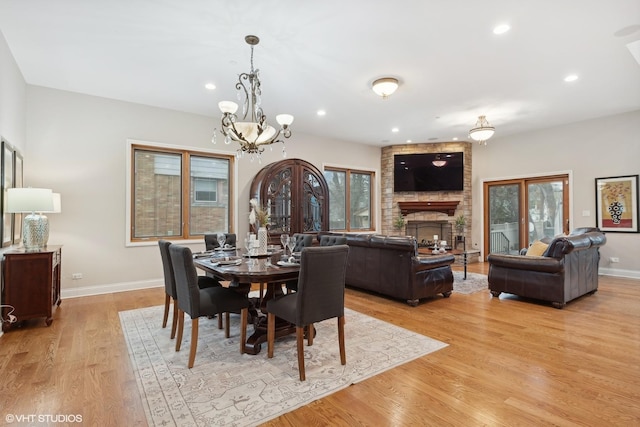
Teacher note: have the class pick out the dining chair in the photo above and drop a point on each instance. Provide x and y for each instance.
(302, 241)
(170, 286)
(211, 240)
(197, 302)
(320, 296)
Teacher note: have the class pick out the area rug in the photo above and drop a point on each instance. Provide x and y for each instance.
(226, 388)
(473, 283)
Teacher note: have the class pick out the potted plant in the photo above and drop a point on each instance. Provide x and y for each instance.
(398, 223)
(460, 223)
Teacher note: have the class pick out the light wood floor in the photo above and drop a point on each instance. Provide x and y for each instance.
(509, 362)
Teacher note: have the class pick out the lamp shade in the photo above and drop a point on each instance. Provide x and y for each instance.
(57, 204)
(21, 200)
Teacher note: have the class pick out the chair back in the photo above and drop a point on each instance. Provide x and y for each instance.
(302, 241)
(211, 240)
(321, 279)
(328, 240)
(167, 268)
(186, 278)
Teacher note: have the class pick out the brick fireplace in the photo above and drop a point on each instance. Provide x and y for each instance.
(441, 207)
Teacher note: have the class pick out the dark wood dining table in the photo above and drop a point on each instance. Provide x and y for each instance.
(253, 270)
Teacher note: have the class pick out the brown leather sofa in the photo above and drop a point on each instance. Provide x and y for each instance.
(390, 265)
(567, 270)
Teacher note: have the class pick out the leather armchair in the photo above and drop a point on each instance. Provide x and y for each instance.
(567, 270)
(390, 265)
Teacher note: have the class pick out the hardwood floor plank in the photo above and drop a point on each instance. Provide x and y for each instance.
(509, 362)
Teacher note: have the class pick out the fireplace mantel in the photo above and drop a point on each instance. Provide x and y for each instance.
(448, 207)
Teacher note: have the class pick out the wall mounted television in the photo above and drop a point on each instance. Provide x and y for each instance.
(417, 172)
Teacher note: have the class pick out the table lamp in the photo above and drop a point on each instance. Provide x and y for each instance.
(35, 227)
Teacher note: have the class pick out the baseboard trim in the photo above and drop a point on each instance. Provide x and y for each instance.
(85, 291)
(632, 274)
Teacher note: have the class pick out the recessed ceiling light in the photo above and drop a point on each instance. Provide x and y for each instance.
(210, 86)
(321, 113)
(395, 130)
(501, 29)
(571, 78)
(455, 138)
(409, 141)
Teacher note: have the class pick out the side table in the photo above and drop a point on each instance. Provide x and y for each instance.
(32, 283)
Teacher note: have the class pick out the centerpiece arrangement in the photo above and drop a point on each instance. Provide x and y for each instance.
(259, 217)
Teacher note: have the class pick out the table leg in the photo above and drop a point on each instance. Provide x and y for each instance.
(464, 263)
(259, 336)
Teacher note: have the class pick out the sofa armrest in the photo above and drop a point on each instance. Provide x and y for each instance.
(527, 262)
(432, 261)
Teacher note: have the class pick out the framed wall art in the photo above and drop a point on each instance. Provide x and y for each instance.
(7, 182)
(617, 204)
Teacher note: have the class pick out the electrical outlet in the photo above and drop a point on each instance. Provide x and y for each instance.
(614, 259)
(76, 276)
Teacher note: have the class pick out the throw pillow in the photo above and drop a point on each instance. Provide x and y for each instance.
(537, 248)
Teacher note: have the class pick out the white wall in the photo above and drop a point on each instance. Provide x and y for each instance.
(592, 149)
(77, 146)
(12, 99)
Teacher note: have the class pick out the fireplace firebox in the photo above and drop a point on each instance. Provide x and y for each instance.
(424, 231)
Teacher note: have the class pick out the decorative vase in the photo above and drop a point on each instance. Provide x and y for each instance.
(615, 210)
(263, 240)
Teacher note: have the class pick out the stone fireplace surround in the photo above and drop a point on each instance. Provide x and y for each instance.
(455, 202)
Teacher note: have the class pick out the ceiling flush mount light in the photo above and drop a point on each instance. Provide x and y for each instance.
(385, 86)
(482, 131)
(252, 135)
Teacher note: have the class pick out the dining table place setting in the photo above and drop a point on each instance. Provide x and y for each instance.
(225, 261)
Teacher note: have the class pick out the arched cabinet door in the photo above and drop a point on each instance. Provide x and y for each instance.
(298, 196)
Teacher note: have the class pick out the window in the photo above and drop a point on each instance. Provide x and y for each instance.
(164, 178)
(205, 189)
(350, 196)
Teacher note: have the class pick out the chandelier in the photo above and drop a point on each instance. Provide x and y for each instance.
(253, 133)
(482, 131)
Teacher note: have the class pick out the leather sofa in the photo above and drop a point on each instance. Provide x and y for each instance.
(567, 269)
(390, 265)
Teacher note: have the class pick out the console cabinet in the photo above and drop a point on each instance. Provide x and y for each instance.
(31, 283)
(297, 194)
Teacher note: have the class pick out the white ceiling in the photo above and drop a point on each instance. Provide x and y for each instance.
(325, 54)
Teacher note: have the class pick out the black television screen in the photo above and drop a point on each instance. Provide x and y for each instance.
(428, 172)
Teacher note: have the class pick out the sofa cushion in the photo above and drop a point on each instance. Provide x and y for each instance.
(537, 248)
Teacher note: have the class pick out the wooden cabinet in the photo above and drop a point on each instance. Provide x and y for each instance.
(32, 283)
(297, 194)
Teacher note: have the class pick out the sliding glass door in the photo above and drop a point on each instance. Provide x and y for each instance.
(520, 211)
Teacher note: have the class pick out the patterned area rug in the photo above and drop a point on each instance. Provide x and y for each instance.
(474, 283)
(226, 388)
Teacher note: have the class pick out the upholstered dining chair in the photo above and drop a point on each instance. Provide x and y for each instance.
(198, 302)
(170, 287)
(302, 241)
(320, 296)
(211, 240)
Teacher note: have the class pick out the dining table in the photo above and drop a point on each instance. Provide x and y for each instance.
(241, 271)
